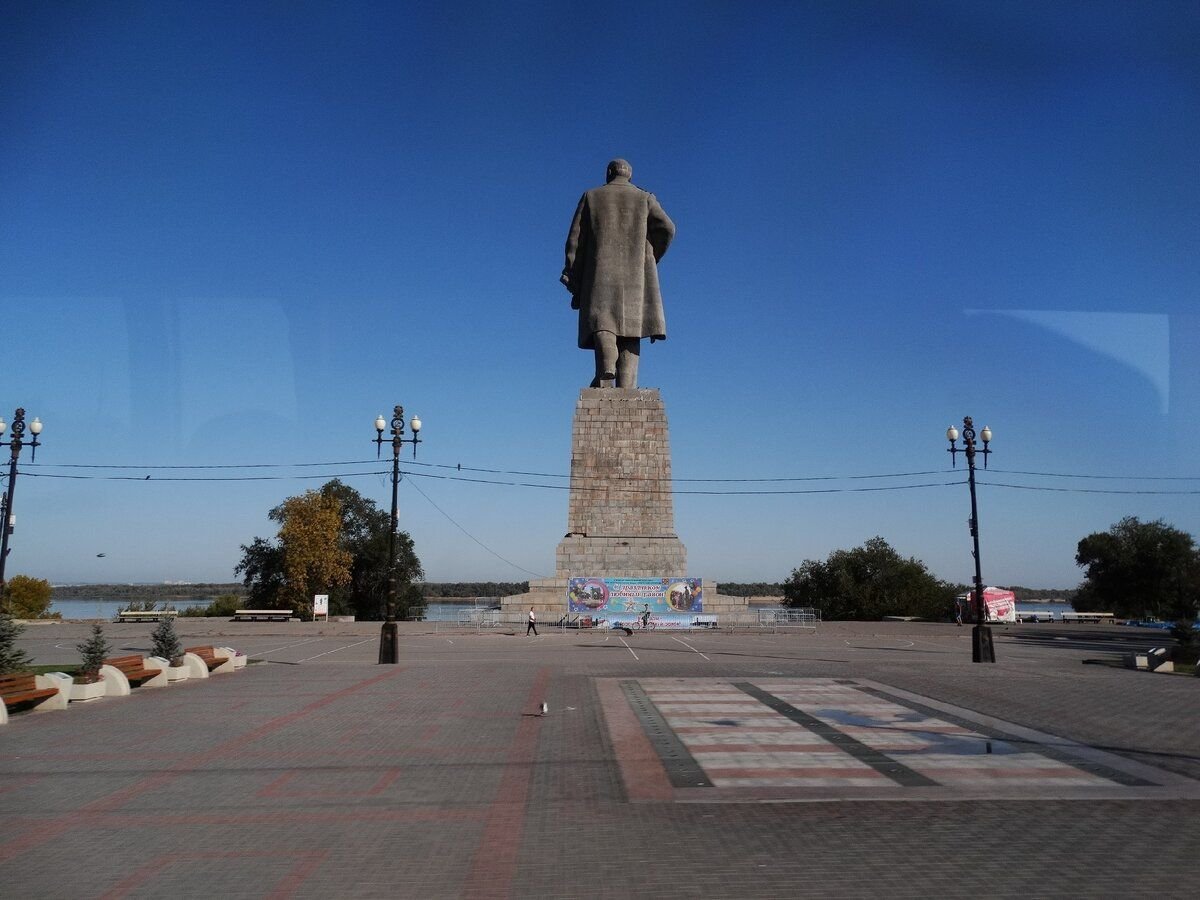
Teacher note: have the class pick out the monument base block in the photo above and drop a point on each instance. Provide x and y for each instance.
(624, 557)
(620, 515)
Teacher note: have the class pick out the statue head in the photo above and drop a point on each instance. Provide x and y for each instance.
(618, 168)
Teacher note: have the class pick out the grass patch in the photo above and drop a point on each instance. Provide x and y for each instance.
(42, 670)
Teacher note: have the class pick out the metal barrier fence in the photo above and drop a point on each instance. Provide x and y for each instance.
(483, 621)
(793, 618)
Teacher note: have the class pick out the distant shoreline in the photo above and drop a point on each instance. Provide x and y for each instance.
(156, 592)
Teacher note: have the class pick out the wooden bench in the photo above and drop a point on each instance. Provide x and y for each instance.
(203, 660)
(1090, 617)
(146, 615)
(262, 615)
(1040, 616)
(133, 668)
(22, 690)
(208, 654)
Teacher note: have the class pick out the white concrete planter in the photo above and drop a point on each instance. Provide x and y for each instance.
(195, 666)
(173, 673)
(84, 692)
(115, 682)
(59, 700)
(239, 659)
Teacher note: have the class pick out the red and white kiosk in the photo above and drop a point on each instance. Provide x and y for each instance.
(999, 605)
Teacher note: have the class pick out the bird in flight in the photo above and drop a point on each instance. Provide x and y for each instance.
(101, 554)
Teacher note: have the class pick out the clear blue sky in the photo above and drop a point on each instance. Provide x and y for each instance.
(233, 233)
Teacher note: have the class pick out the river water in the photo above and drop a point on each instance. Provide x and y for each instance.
(437, 611)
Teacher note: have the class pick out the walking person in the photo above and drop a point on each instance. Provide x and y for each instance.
(958, 610)
(532, 626)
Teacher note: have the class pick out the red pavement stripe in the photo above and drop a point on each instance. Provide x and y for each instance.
(696, 748)
(274, 789)
(52, 829)
(495, 862)
(236, 743)
(286, 887)
(794, 772)
(682, 730)
(384, 782)
(641, 769)
(287, 817)
(292, 881)
(277, 787)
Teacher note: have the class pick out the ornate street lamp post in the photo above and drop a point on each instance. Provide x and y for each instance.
(982, 649)
(388, 649)
(7, 518)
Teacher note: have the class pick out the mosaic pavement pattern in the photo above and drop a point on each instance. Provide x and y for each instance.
(826, 738)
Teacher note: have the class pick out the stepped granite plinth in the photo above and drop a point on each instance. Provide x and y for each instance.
(621, 513)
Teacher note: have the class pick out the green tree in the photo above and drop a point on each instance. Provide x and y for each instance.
(1140, 569)
(362, 539)
(166, 641)
(12, 658)
(867, 583)
(93, 651)
(261, 569)
(28, 598)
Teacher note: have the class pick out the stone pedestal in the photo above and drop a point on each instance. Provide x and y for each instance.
(621, 512)
(621, 515)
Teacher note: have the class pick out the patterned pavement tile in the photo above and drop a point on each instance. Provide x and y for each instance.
(825, 733)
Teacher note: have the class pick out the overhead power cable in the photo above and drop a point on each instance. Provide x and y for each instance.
(451, 520)
(580, 482)
(326, 475)
(607, 488)
(458, 467)
(528, 484)
(1067, 490)
(306, 465)
(1100, 477)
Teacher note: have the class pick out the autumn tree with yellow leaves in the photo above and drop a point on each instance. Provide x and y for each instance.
(331, 541)
(314, 562)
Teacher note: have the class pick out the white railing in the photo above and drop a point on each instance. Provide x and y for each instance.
(802, 617)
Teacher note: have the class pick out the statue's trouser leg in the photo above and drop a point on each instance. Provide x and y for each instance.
(629, 351)
(616, 357)
(606, 356)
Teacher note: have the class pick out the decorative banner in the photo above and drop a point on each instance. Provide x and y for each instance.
(659, 602)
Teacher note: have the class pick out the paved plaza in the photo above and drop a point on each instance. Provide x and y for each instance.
(863, 760)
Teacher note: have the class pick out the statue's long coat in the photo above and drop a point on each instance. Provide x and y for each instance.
(617, 237)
